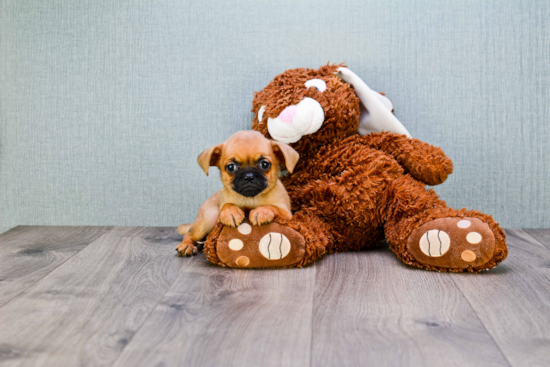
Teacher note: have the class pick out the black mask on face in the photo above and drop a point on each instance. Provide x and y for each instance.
(249, 181)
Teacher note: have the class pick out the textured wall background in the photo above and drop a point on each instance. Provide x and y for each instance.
(104, 105)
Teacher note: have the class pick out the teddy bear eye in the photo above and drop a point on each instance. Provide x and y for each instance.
(261, 114)
(318, 84)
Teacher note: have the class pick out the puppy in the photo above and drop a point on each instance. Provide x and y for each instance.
(249, 165)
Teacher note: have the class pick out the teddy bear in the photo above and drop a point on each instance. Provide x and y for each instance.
(361, 178)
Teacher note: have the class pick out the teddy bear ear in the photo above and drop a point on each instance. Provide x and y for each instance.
(376, 109)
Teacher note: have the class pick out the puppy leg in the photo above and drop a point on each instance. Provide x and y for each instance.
(183, 229)
(201, 227)
(265, 214)
(231, 215)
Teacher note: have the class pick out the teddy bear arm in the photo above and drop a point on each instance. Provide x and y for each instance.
(422, 161)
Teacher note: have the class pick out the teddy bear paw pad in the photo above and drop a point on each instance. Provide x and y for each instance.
(455, 243)
(267, 246)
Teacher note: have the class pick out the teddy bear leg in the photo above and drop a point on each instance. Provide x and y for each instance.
(281, 243)
(424, 232)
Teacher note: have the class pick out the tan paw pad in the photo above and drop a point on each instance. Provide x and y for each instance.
(242, 261)
(468, 256)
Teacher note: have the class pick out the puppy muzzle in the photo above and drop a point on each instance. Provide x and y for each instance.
(249, 182)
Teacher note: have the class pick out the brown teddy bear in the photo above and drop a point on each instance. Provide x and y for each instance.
(360, 179)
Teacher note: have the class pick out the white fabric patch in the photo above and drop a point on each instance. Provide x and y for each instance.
(376, 109)
(317, 83)
(385, 101)
(274, 246)
(473, 238)
(464, 223)
(235, 244)
(308, 119)
(435, 243)
(261, 114)
(244, 228)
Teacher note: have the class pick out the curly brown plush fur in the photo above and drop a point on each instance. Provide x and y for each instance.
(350, 191)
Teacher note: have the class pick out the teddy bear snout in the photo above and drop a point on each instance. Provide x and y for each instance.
(288, 114)
(296, 121)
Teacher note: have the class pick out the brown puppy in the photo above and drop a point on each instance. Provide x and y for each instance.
(249, 166)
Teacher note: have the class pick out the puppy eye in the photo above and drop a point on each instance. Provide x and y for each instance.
(231, 167)
(261, 114)
(318, 84)
(264, 164)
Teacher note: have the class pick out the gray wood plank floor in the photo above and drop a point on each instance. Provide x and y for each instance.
(27, 254)
(120, 296)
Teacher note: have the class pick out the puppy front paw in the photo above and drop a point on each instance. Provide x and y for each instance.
(187, 247)
(231, 215)
(261, 215)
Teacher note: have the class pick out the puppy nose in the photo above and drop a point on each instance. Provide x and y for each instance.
(288, 114)
(249, 177)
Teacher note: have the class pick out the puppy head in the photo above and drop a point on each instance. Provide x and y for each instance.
(249, 163)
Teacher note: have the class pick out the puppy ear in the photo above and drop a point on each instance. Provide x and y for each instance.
(210, 157)
(286, 154)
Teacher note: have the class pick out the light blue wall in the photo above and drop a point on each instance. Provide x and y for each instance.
(104, 105)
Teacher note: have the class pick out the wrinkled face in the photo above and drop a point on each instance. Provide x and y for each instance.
(248, 165)
(306, 108)
(248, 175)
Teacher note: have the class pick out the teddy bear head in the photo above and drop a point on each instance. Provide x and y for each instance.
(308, 108)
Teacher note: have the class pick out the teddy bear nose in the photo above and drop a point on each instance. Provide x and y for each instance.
(288, 114)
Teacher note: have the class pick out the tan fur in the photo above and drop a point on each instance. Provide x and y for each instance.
(184, 228)
(226, 206)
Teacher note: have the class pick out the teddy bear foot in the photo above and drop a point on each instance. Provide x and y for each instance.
(453, 244)
(267, 246)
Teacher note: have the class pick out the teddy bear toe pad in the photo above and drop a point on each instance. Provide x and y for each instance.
(455, 243)
(267, 246)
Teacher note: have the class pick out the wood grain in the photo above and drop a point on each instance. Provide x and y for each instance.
(513, 300)
(27, 254)
(86, 311)
(216, 316)
(127, 299)
(371, 309)
(541, 235)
